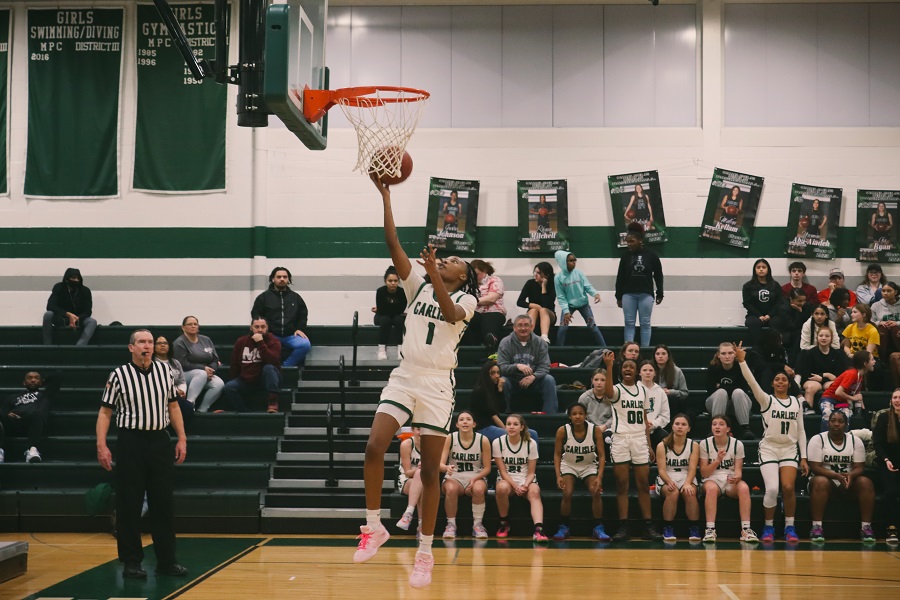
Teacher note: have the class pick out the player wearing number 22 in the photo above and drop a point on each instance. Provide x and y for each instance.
(781, 450)
(421, 388)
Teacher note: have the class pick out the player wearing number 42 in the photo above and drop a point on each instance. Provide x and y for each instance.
(421, 389)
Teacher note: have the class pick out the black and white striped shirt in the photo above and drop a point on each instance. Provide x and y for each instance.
(140, 397)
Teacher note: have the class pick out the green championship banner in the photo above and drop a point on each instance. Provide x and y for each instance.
(543, 215)
(452, 214)
(876, 225)
(172, 105)
(731, 208)
(636, 198)
(812, 226)
(4, 100)
(74, 78)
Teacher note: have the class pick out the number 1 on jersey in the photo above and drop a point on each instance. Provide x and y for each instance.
(430, 337)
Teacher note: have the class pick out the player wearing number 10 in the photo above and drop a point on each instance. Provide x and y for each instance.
(421, 388)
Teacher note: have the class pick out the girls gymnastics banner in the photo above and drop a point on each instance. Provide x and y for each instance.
(876, 225)
(452, 215)
(74, 76)
(731, 208)
(543, 215)
(636, 198)
(172, 105)
(812, 225)
(4, 99)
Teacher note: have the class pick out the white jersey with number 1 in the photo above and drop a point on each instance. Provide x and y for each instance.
(430, 342)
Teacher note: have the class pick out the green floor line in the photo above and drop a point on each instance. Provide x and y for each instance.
(199, 555)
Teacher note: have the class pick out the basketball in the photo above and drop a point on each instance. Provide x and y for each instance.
(543, 212)
(448, 219)
(384, 159)
(629, 214)
(731, 211)
(804, 221)
(882, 227)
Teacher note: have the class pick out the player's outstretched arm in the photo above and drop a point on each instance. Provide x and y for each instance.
(452, 312)
(398, 256)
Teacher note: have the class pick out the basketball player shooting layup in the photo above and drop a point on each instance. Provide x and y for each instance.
(422, 387)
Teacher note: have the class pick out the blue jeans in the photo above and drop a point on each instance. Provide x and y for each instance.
(492, 432)
(588, 316)
(545, 387)
(299, 347)
(87, 327)
(632, 305)
(238, 390)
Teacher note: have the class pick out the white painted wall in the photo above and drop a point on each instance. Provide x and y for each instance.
(274, 181)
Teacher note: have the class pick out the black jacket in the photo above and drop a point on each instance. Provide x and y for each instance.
(761, 299)
(25, 403)
(285, 312)
(68, 298)
(637, 273)
(883, 448)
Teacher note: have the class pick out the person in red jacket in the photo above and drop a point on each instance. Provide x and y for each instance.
(255, 366)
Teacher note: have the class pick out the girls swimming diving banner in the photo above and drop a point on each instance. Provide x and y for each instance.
(543, 215)
(812, 225)
(636, 198)
(452, 214)
(876, 225)
(731, 208)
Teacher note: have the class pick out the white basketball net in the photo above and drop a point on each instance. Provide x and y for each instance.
(384, 122)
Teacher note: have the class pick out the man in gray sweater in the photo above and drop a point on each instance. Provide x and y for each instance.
(524, 363)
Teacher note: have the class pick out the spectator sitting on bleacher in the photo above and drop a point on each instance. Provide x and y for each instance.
(818, 320)
(197, 355)
(525, 365)
(768, 358)
(886, 317)
(836, 282)
(628, 351)
(728, 390)
(886, 439)
(255, 367)
(838, 308)
(162, 352)
(70, 305)
(798, 282)
(860, 334)
(598, 412)
(846, 390)
(761, 296)
(286, 313)
(789, 320)
(671, 379)
(490, 314)
(658, 414)
(539, 297)
(818, 367)
(488, 402)
(26, 413)
(836, 463)
(869, 289)
(390, 311)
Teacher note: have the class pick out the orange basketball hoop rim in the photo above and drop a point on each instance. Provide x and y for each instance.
(317, 102)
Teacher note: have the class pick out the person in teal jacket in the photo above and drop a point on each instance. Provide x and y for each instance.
(572, 292)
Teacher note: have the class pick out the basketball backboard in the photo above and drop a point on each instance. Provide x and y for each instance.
(295, 60)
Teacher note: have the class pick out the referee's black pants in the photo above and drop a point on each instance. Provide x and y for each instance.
(145, 462)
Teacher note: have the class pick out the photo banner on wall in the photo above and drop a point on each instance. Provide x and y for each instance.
(876, 225)
(452, 213)
(731, 208)
(636, 197)
(172, 105)
(543, 215)
(4, 99)
(74, 79)
(812, 226)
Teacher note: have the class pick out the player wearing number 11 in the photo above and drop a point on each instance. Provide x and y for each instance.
(422, 388)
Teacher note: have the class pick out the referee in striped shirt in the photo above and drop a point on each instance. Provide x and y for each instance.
(142, 395)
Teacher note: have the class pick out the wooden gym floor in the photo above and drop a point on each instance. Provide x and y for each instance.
(228, 566)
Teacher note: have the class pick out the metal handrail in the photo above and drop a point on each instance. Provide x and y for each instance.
(330, 480)
(342, 429)
(354, 380)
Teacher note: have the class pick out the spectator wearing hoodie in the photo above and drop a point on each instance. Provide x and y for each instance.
(70, 305)
(255, 367)
(286, 313)
(762, 296)
(26, 412)
(639, 268)
(572, 292)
